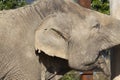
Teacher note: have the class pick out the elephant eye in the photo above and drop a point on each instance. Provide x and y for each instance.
(97, 25)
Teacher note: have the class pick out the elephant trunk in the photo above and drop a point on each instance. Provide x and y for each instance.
(111, 32)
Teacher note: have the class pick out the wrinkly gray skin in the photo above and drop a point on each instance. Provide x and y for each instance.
(78, 36)
(18, 60)
(84, 34)
(54, 35)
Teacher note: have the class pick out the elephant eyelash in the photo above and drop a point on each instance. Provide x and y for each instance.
(59, 33)
(97, 26)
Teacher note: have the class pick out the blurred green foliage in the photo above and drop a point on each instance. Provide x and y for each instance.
(72, 75)
(11, 4)
(101, 6)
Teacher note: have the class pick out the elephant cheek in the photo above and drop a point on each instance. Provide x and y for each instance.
(75, 61)
(79, 60)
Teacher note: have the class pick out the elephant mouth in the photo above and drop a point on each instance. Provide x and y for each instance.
(54, 65)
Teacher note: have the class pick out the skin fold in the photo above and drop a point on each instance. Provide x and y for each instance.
(69, 35)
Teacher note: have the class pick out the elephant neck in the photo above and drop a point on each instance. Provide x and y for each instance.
(47, 7)
(27, 19)
(33, 15)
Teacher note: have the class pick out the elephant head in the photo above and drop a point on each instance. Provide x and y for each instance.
(77, 36)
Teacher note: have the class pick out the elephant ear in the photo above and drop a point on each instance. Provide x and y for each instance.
(51, 37)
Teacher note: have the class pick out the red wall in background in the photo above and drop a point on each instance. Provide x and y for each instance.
(85, 3)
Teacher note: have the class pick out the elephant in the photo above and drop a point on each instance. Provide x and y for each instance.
(18, 57)
(53, 38)
(48, 38)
